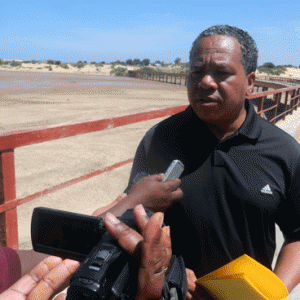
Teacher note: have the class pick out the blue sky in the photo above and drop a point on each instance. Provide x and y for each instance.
(156, 29)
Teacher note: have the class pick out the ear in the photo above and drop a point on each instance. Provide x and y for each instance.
(250, 83)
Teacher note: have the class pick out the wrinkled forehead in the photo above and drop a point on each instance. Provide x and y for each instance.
(217, 48)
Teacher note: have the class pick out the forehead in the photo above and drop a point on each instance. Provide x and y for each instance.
(218, 48)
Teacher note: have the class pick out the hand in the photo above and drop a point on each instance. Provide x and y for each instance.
(154, 193)
(153, 246)
(191, 283)
(197, 291)
(42, 281)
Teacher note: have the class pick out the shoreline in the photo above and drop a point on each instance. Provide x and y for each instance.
(105, 69)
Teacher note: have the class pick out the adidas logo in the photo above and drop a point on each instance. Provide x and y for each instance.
(266, 190)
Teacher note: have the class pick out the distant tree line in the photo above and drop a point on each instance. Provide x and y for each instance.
(271, 69)
(11, 63)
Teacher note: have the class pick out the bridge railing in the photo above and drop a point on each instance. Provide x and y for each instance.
(9, 141)
(273, 105)
(295, 81)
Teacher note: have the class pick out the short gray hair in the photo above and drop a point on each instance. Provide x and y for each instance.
(248, 45)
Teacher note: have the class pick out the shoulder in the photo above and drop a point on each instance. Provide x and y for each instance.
(274, 134)
(175, 124)
(276, 142)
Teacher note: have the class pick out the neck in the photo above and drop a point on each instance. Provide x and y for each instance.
(223, 129)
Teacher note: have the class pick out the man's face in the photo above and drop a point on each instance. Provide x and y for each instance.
(217, 82)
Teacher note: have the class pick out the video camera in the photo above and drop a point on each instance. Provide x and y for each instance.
(105, 269)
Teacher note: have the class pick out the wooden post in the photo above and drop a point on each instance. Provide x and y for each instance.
(8, 219)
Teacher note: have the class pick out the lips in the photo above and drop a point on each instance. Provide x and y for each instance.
(206, 100)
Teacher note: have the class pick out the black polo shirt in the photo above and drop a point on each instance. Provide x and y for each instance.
(234, 190)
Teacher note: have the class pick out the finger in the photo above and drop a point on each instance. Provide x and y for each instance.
(126, 237)
(53, 280)
(166, 240)
(152, 268)
(140, 217)
(173, 184)
(191, 280)
(28, 282)
(177, 195)
(157, 177)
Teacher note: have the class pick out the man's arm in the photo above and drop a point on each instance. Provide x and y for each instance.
(288, 264)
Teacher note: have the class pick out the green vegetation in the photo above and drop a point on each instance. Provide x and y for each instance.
(53, 62)
(100, 64)
(271, 69)
(119, 71)
(64, 66)
(48, 67)
(15, 63)
(148, 69)
(80, 64)
(177, 60)
(12, 63)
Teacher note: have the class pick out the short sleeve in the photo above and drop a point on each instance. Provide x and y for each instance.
(10, 268)
(289, 209)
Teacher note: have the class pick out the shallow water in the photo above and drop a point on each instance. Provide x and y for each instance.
(26, 80)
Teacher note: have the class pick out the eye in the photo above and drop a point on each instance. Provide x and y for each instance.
(196, 74)
(223, 74)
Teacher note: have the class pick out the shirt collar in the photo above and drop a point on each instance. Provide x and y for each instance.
(251, 128)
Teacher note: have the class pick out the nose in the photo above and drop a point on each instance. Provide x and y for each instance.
(207, 82)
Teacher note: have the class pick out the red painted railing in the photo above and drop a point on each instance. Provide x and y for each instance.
(11, 140)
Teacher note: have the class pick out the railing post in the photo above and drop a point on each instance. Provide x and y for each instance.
(292, 101)
(8, 219)
(277, 96)
(298, 96)
(285, 104)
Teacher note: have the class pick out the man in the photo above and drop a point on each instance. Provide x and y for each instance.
(242, 173)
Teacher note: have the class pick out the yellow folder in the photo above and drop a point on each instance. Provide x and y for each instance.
(244, 278)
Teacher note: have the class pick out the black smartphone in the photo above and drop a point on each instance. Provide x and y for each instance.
(65, 234)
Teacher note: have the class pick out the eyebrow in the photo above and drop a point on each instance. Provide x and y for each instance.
(218, 65)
